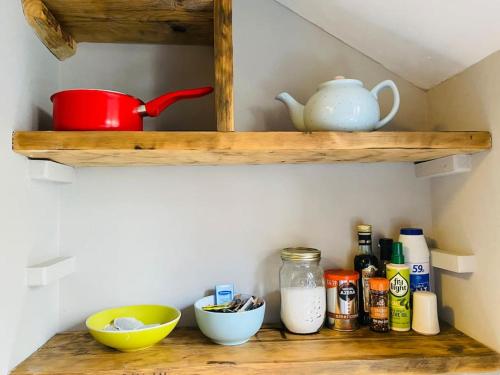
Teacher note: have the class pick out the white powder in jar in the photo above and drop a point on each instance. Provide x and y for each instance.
(303, 309)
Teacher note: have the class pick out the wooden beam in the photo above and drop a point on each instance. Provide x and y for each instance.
(49, 31)
(136, 21)
(223, 45)
(219, 148)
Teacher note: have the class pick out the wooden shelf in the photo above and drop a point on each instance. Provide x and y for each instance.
(271, 351)
(218, 148)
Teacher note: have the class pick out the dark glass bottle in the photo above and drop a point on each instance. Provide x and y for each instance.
(366, 264)
(385, 246)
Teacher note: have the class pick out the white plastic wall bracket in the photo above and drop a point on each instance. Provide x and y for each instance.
(47, 272)
(46, 170)
(444, 166)
(453, 262)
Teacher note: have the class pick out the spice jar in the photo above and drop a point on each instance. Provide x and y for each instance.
(302, 285)
(379, 304)
(342, 299)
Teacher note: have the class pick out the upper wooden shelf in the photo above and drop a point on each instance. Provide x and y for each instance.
(271, 351)
(61, 24)
(218, 148)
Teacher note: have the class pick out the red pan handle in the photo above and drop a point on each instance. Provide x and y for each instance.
(156, 106)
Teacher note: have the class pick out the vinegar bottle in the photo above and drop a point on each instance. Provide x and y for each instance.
(366, 264)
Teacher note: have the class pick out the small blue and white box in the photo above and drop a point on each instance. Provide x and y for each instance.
(224, 294)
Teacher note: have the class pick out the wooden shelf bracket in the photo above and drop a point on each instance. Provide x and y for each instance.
(453, 262)
(49, 31)
(46, 170)
(446, 166)
(47, 272)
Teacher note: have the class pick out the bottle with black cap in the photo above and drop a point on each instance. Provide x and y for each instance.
(385, 246)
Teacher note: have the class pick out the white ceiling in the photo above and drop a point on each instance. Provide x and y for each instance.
(424, 42)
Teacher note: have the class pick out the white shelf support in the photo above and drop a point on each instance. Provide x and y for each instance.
(444, 166)
(453, 262)
(47, 272)
(46, 170)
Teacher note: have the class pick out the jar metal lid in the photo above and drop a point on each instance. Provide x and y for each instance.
(364, 228)
(300, 253)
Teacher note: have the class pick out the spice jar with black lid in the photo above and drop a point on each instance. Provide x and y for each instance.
(379, 304)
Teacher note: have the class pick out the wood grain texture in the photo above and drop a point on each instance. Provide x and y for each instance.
(49, 31)
(220, 148)
(223, 50)
(271, 351)
(136, 21)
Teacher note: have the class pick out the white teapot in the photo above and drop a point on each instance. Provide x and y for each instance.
(341, 105)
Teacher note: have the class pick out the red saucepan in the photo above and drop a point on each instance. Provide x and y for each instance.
(110, 110)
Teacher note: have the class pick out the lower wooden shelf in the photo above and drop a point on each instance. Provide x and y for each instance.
(218, 148)
(271, 351)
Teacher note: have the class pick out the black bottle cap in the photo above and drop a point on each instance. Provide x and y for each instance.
(385, 248)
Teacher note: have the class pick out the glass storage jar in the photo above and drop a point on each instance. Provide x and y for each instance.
(302, 286)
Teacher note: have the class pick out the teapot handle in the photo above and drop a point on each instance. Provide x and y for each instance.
(375, 91)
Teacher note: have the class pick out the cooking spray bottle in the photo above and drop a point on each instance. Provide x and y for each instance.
(398, 275)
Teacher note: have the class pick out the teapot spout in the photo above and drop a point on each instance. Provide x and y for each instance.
(295, 108)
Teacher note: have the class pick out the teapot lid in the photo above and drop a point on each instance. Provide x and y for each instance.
(341, 80)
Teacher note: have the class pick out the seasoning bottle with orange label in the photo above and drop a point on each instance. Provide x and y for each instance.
(379, 304)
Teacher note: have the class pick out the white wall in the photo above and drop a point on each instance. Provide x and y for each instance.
(29, 210)
(466, 208)
(424, 44)
(275, 50)
(168, 234)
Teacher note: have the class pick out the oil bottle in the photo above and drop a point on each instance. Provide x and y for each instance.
(398, 275)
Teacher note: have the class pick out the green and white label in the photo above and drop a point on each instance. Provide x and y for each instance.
(398, 285)
(399, 298)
